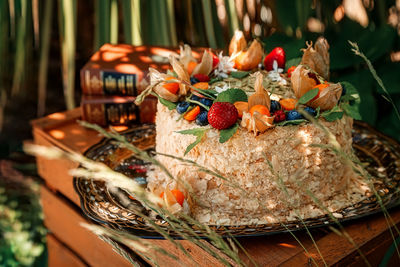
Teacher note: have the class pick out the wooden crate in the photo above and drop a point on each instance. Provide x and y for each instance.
(63, 218)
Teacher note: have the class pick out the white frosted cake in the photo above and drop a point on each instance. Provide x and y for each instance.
(266, 139)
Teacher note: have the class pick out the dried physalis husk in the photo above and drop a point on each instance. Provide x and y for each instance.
(164, 93)
(172, 205)
(205, 66)
(250, 58)
(318, 58)
(257, 123)
(157, 77)
(185, 56)
(328, 97)
(182, 75)
(260, 97)
(303, 80)
(238, 43)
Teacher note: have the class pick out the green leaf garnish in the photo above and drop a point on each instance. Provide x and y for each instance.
(198, 132)
(334, 114)
(214, 80)
(292, 122)
(207, 92)
(232, 95)
(351, 110)
(351, 93)
(239, 74)
(308, 96)
(170, 105)
(226, 134)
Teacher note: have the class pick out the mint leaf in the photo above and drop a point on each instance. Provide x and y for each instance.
(351, 93)
(198, 132)
(334, 114)
(226, 134)
(239, 74)
(351, 110)
(170, 105)
(232, 96)
(308, 96)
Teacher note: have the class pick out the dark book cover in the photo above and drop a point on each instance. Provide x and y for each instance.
(117, 110)
(121, 69)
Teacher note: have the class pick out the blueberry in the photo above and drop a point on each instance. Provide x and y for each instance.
(201, 119)
(310, 111)
(275, 106)
(195, 98)
(182, 107)
(293, 115)
(207, 102)
(193, 80)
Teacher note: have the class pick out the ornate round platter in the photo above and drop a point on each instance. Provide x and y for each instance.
(380, 155)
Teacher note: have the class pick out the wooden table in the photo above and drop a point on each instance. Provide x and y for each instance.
(70, 244)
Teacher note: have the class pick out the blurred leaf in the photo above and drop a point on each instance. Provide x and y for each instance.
(102, 23)
(67, 25)
(171, 24)
(44, 56)
(209, 24)
(233, 19)
(20, 46)
(114, 22)
(293, 15)
(390, 75)
(390, 125)
(374, 44)
(365, 85)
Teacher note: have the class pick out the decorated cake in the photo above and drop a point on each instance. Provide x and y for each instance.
(250, 139)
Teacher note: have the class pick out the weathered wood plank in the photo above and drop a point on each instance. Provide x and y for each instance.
(61, 256)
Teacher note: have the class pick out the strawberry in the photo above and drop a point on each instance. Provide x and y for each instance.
(202, 77)
(215, 60)
(222, 115)
(277, 54)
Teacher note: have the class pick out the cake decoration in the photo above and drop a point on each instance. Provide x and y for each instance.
(193, 87)
(226, 105)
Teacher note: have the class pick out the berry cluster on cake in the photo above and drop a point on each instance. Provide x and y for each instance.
(259, 133)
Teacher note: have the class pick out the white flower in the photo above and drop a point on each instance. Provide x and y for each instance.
(221, 89)
(274, 74)
(224, 66)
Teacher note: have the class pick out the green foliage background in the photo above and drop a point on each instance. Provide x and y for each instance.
(22, 234)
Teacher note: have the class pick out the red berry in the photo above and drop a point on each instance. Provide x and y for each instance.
(222, 115)
(215, 60)
(279, 116)
(277, 54)
(202, 77)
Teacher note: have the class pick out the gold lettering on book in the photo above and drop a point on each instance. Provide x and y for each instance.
(110, 84)
(121, 85)
(92, 83)
(130, 87)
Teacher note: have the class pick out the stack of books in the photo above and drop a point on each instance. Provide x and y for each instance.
(112, 79)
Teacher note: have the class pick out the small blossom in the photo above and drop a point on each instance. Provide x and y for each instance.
(221, 89)
(274, 74)
(225, 66)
